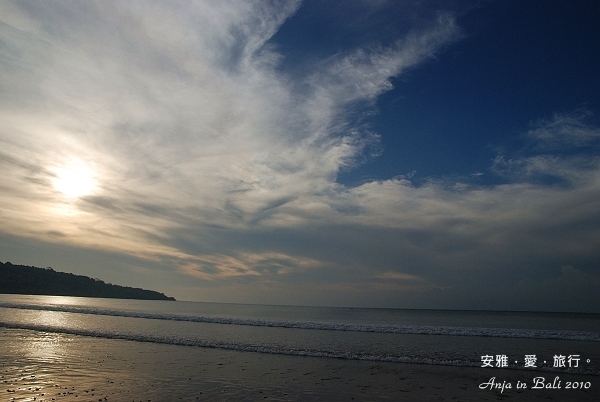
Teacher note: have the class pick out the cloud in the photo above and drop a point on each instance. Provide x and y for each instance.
(397, 276)
(184, 107)
(568, 289)
(209, 161)
(563, 149)
(245, 264)
(564, 131)
(363, 75)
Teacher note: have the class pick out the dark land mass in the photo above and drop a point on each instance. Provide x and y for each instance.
(23, 279)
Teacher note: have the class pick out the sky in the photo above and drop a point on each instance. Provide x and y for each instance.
(414, 154)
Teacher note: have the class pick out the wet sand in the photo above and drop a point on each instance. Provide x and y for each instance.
(37, 366)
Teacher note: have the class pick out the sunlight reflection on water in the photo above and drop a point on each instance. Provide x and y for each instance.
(46, 347)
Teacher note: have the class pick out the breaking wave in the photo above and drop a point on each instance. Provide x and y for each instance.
(327, 326)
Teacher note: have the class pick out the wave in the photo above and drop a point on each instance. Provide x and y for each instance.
(228, 346)
(275, 350)
(328, 326)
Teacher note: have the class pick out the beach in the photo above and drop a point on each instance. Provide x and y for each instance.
(299, 200)
(44, 366)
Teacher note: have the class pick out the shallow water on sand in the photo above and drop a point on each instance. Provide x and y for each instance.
(99, 349)
(39, 366)
(434, 337)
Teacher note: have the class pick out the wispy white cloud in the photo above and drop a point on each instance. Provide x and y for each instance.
(564, 131)
(564, 148)
(182, 105)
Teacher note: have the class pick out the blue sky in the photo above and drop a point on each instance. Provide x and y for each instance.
(418, 154)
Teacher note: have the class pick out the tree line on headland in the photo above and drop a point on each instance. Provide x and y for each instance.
(23, 279)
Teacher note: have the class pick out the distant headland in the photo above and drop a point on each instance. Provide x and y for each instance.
(23, 279)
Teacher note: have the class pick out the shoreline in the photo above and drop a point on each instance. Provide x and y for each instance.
(75, 368)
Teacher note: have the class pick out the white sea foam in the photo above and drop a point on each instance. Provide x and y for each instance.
(327, 326)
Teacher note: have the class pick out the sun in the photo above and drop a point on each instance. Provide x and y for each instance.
(74, 179)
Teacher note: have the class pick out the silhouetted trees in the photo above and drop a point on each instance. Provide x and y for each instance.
(23, 279)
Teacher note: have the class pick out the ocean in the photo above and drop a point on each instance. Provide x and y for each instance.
(524, 344)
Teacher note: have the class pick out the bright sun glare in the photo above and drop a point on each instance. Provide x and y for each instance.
(74, 179)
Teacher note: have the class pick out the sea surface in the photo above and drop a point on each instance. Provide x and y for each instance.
(547, 342)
